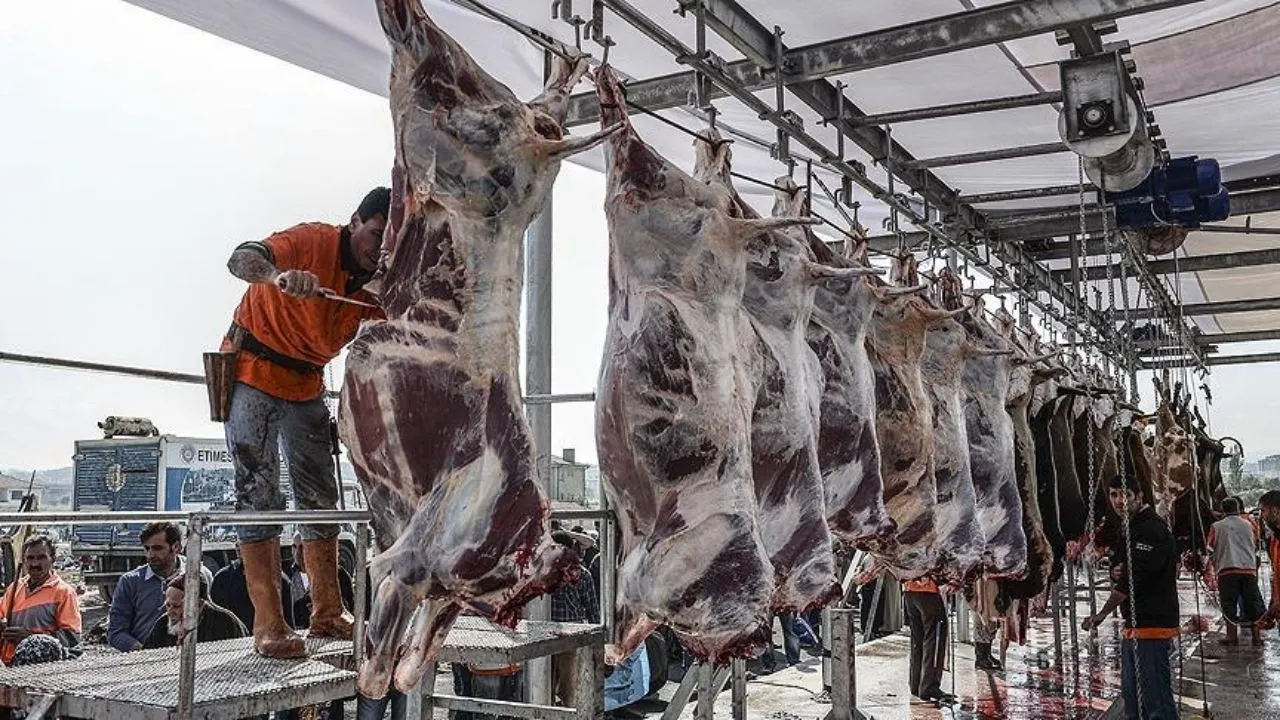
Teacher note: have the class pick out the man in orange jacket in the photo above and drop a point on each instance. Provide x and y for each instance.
(285, 331)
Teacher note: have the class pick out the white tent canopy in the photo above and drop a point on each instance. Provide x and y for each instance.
(1211, 70)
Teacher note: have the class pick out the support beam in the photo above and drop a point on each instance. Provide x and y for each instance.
(887, 46)
(1063, 220)
(1226, 307)
(991, 155)
(1159, 345)
(1198, 263)
(1061, 250)
(1238, 337)
(963, 108)
(1027, 194)
(1215, 361)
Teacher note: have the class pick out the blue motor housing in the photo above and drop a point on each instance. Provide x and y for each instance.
(1184, 192)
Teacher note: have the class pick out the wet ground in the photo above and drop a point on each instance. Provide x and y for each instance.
(1242, 682)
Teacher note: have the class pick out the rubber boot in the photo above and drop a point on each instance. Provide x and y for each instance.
(272, 636)
(328, 617)
(1233, 634)
(983, 659)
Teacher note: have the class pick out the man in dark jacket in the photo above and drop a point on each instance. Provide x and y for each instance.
(1144, 568)
(212, 622)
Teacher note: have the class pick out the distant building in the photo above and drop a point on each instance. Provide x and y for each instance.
(568, 478)
(12, 490)
(1269, 466)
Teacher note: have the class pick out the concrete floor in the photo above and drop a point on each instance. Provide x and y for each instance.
(1243, 682)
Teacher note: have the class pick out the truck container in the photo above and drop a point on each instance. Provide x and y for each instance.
(168, 473)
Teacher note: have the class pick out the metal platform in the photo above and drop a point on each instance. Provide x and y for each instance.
(233, 681)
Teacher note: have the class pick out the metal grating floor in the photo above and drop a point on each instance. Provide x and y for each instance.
(228, 669)
(474, 639)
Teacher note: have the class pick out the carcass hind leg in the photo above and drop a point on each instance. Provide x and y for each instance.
(429, 631)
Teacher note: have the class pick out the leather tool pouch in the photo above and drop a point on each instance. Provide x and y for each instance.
(220, 380)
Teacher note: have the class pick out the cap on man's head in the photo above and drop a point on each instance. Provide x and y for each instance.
(1124, 481)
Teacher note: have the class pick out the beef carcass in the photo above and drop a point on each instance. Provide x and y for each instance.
(1022, 382)
(848, 450)
(1072, 513)
(904, 425)
(989, 431)
(431, 403)
(1094, 437)
(674, 401)
(778, 298)
(1044, 398)
(960, 539)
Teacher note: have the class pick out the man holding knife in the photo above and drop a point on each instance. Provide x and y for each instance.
(304, 303)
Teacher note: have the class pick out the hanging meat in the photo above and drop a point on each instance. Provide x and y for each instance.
(989, 431)
(1022, 380)
(904, 424)
(1094, 437)
(778, 298)
(431, 404)
(848, 450)
(674, 403)
(1044, 397)
(960, 540)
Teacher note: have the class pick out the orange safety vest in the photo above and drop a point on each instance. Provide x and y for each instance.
(49, 608)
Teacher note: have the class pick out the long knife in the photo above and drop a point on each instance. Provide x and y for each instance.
(332, 295)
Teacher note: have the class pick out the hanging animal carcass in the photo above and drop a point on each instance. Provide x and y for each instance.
(431, 403)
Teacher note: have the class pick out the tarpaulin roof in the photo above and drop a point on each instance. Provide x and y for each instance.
(1211, 72)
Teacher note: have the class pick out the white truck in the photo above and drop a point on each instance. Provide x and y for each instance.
(174, 474)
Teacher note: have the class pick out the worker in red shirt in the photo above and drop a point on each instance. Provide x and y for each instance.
(283, 334)
(927, 617)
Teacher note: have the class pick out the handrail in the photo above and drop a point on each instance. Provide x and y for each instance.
(211, 517)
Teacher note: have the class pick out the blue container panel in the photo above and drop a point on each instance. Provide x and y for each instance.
(140, 465)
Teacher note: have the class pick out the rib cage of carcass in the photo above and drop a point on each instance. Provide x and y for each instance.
(431, 403)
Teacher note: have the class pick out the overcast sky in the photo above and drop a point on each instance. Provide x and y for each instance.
(138, 152)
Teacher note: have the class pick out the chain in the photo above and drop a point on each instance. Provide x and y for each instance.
(1197, 521)
(1125, 520)
(1133, 601)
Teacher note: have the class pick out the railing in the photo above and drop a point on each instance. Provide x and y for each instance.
(197, 521)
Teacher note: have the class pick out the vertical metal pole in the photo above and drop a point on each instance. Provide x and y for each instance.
(843, 688)
(190, 618)
(826, 656)
(705, 709)
(1071, 609)
(588, 670)
(739, 691)
(608, 569)
(357, 633)
(1056, 595)
(538, 381)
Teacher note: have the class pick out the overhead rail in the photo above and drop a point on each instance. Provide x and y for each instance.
(914, 41)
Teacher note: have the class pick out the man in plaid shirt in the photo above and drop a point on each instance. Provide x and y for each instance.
(576, 603)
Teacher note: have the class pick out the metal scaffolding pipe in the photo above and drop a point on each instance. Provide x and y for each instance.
(1027, 194)
(538, 382)
(962, 108)
(991, 155)
(1225, 307)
